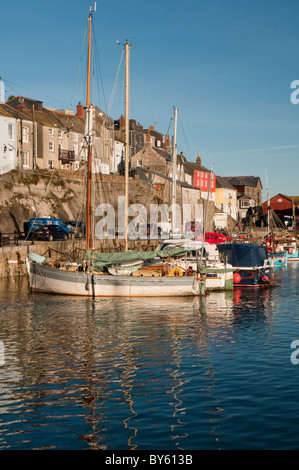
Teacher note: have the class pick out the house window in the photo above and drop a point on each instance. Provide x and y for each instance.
(51, 131)
(51, 146)
(75, 149)
(10, 136)
(60, 134)
(50, 164)
(25, 131)
(139, 162)
(26, 159)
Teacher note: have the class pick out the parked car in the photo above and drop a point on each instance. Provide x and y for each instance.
(35, 222)
(49, 233)
(78, 228)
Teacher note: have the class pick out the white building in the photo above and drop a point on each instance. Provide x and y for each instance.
(117, 163)
(8, 142)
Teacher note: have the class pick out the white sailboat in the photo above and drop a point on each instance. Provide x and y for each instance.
(75, 280)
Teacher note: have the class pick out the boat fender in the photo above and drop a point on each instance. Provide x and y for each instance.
(176, 271)
(237, 278)
(265, 279)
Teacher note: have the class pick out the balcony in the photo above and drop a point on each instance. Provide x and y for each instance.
(66, 156)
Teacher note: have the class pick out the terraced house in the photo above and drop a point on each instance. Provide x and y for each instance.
(50, 138)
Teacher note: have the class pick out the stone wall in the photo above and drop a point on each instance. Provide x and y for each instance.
(12, 258)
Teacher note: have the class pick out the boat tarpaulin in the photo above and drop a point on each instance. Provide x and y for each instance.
(243, 254)
(122, 256)
(36, 258)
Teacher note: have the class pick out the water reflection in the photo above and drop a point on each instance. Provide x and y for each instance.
(131, 374)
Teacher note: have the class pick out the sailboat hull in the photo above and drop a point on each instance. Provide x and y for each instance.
(43, 278)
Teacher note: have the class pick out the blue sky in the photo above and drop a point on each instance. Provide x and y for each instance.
(227, 66)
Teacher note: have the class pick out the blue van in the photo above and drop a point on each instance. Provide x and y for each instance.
(36, 221)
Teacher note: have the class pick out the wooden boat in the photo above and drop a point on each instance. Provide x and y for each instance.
(92, 283)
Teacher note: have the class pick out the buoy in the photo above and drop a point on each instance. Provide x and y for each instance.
(176, 271)
(237, 278)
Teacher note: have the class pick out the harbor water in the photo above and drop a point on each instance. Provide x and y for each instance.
(216, 372)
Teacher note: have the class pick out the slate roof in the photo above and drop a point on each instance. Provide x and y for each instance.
(195, 167)
(222, 183)
(23, 107)
(5, 112)
(243, 180)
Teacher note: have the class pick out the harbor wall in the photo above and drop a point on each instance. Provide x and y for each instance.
(13, 258)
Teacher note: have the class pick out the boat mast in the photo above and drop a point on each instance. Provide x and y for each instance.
(174, 165)
(206, 216)
(89, 136)
(127, 140)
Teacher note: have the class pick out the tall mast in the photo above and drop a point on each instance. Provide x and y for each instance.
(174, 165)
(206, 215)
(89, 137)
(127, 140)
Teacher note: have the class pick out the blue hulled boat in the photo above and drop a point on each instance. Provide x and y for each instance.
(251, 264)
(278, 259)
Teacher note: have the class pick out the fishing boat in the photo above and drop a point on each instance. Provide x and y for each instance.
(292, 253)
(290, 246)
(251, 263)
(277, 254)
(89, 277)
(218, 276)
(278, 258)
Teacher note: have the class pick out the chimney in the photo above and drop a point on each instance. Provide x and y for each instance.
(147, 140)
(198, 160)
(80, 110)
(122, 122)
(167, 145)
(21, 105)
